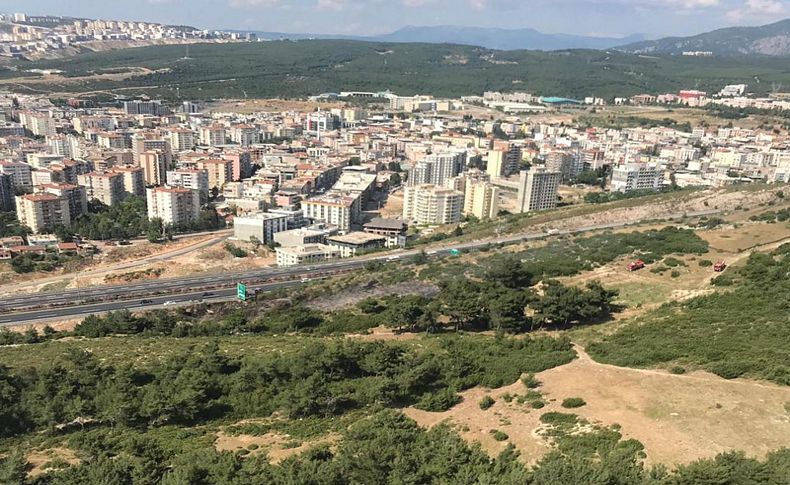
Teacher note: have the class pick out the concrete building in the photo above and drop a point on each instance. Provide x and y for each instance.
(434, 169)
(190, 178)
(568, 164)
(213, 135)
(262, 226)
(311, 253)
(634, 176)
(393, 229)
(304, 235)
(355, 243)
(6, 193)
(181, 139)
(74, 194)
(495, 165)
(133, 179)
(430, 205)
(154, 164)
(106, 187)
(42, 212)
(149, 142)
(219, 171)
(176, 206)
(331, 209)
(39, 124)
(244, 135)
(481, 199)
(20, 174)
(537, 190)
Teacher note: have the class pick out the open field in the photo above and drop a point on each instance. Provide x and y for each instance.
(678, 418)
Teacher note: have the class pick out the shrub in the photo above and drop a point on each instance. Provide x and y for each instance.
(486, 402)
(573, 402)
(499, 435)
(559, 418)
(252, 447)
(530, 381)
(507, 397)
(677, 370)
(537, 404)
(235, 251)
(438, 401)
(705, 263)
(675, 273)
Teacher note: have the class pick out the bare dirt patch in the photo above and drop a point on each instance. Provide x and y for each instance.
(276, 446)
(39, 459)
(351, 296)
(679, 418)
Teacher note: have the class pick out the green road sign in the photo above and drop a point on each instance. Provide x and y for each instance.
(241, 291)
(455, 252)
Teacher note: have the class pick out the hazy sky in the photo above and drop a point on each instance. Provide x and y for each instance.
(364, 17)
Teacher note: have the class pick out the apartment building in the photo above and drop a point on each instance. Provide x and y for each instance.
(190, 178)
(495, 164)
(106, 187)
(537, 190)
(241, 163)
(213, 135)
(40, 124)
(481, 199)
(76, 195)
(149, 142)
(244, 135)
(568, 164)
(64, 146)
(220, 171)
(42, 212)
(6, 193)
(434, 169)
(133, 179)
(181, 139)
(154, 165)
(635, 176)
(20, 173)
(331, 209)
(175, 206)
(429, 205)
(262, 226)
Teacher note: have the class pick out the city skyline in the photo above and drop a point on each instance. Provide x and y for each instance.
(612, 18)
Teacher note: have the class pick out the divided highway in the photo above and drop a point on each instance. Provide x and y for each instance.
(221, 286)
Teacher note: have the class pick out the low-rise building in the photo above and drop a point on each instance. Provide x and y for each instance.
(393, 229)
(311, 253)
(262, 227)
(355, 243)
(304, 235)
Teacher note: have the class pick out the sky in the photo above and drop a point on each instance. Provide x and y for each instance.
(370, 17)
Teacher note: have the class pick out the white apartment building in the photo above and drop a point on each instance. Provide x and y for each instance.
(244, 135)
(537, 190)
(213, 135)
(190, 178)
(133, 179)
(430, 205)
(220, 171)
(634, 176)
(20, 173)
(174, 205)
(310, 253)
(434, 169)
(181, 139)
(64, 146)
(262, 226)
(481, 199)
(42, 212)
(40, 124)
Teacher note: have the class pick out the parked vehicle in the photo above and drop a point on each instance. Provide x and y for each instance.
(169, 302)
(719, 266)
(636, 265)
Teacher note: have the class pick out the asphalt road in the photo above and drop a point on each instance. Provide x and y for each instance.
(75, 303)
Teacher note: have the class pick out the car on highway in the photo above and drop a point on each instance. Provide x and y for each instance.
(207, 293)
(169, 302)
(146, 302)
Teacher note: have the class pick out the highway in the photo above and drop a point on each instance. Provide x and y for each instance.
(215, 287)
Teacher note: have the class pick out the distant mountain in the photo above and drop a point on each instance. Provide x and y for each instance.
(490, 38)
(769, 40)
(504, 39)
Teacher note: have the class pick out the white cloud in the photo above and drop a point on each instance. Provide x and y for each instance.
(253, 3)
(758, 10)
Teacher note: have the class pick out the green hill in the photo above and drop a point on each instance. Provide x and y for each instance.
(302, 68)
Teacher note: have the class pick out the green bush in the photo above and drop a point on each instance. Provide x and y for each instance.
(705, 263)
(573, 402)
(499, 435)
(486, 402)
(530, 381)
(555, 418)
(677, 370)
(438, 401)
